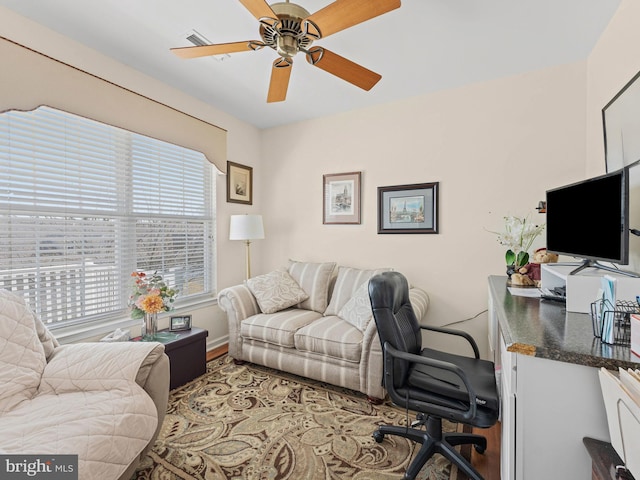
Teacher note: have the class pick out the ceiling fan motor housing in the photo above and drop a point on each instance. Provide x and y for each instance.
(286, 34)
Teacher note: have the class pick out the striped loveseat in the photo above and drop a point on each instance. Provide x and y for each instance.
(329, 336)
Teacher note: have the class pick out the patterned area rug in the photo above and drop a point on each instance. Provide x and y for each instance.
(249, 422)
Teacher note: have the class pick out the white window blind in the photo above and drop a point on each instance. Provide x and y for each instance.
(83, 204)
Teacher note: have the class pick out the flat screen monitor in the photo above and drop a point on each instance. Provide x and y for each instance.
(589, 219)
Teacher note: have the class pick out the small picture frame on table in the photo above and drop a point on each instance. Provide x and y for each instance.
(180, 323)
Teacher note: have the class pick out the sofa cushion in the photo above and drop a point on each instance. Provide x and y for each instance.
(331, 336)
(277, 328)
(357, 311)
(276, 291)
(314, 278)
(348, 281)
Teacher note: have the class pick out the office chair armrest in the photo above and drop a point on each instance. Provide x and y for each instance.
(460, 333)
(391, 353)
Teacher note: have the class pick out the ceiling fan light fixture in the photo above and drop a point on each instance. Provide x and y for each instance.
(287, 45)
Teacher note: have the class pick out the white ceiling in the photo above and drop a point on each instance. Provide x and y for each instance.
(422, 47)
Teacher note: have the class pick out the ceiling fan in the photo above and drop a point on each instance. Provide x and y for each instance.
(289, 29)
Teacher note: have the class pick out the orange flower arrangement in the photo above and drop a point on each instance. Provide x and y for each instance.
(150, 304)
(150, 295)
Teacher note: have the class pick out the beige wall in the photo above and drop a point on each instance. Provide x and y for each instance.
(494, 147)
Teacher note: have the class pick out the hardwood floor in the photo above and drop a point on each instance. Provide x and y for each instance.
(488, 464)
(217, 352)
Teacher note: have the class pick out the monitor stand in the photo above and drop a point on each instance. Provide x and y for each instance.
(596, 264)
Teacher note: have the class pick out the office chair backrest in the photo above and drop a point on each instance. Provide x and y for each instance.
(394, 317)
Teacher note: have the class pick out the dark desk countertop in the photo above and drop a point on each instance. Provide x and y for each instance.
(544, 329)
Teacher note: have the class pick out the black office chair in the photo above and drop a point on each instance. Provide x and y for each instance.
(435, 384)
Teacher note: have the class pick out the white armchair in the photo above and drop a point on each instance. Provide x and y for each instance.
(104, 402)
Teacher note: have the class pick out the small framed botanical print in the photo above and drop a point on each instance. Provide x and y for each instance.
(239, 183)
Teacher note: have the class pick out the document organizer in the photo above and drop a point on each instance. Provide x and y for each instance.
(620, 316)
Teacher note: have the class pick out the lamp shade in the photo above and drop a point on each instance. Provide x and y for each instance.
(246, 227)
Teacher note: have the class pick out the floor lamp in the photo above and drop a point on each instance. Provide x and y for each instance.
(247, 228)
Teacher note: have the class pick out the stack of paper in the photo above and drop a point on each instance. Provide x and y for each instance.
(622, 403)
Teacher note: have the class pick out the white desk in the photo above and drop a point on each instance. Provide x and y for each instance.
(550, 390)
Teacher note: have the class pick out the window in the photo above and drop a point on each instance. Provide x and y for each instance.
(83, 204)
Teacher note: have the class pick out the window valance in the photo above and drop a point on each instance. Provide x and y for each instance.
(32, 79)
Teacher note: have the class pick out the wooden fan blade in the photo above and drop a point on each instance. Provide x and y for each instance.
(343, 14)
(218, 49)
(343, 68)
(280, 73)
(259, 8)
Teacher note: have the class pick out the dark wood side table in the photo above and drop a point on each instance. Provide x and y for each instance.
(187, 352)
(604, 460)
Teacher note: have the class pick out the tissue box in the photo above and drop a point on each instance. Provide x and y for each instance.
(117, 336)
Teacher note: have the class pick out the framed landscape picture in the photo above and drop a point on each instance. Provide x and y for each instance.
(341, 202)
(239, 183)
(408, 208)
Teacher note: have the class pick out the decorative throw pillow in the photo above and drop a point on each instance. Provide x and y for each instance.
(276, 291)
(314, 279)
(357, 311)
(349, 279)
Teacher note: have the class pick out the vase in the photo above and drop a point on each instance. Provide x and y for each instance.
(150, 326)
(511, 269)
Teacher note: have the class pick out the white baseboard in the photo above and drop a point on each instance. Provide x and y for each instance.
(213, 343)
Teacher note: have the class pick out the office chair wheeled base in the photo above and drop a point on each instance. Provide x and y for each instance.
(434, 440)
